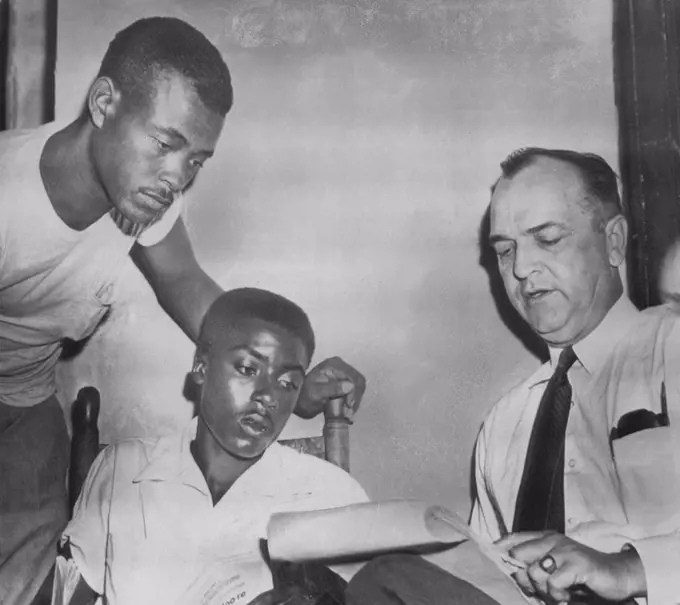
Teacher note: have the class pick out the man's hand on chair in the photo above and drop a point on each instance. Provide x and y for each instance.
(327, 380)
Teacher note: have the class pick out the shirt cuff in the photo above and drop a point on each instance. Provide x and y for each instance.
(660, 558)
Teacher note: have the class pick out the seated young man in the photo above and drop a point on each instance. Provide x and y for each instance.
(180, 519)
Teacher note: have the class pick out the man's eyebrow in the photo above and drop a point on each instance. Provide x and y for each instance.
(294, 367)
(251, 351)
(176, 134)
(264, 359)
(543, 227)
(495, 238)
(172, 132)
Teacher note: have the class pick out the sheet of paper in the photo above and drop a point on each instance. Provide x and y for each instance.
(372, 527)
(439, 514)
(467, 562)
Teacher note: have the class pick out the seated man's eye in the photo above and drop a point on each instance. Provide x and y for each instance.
(245, 370)
(289, 385)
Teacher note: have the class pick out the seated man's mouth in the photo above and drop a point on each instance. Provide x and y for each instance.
(256, 425)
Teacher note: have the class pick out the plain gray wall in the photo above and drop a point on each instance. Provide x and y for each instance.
(352, 175)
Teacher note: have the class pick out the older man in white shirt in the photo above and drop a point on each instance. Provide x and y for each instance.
(560, 238)
(577, 466)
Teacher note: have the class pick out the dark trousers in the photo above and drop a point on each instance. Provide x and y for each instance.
(410, 580)
(34, 456)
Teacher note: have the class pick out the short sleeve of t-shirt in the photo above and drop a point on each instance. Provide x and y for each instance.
(154, 234)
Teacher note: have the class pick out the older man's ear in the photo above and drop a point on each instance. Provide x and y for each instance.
(669, 278)
(616, 230)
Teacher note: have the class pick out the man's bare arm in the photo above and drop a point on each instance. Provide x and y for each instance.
(183, 289)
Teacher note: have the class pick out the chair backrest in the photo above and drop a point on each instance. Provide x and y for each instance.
(333, 445)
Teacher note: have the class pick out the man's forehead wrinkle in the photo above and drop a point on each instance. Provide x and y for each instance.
(558, 180)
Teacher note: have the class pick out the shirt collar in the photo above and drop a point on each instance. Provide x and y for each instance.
(171, 460)
(593, 350)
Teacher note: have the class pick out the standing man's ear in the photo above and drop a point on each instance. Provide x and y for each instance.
(102, 101)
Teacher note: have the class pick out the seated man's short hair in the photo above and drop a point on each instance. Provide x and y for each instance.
(257, 304)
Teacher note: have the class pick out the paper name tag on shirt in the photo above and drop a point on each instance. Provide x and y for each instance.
(229, 582)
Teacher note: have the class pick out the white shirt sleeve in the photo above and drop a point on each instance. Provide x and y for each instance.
(339, 489)
(660, 550)
(484, 517)
(88, 529)
(660, 557)
(159, 230)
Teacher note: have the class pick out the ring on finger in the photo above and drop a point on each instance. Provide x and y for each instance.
(548, 564)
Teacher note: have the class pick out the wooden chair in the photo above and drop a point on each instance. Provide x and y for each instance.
(333, 445)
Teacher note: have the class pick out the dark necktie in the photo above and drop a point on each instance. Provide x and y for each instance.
(540, 500)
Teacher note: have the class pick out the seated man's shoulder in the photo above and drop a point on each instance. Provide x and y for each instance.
(314, 474)
(295, 463)
(125, 458)
(132, 448)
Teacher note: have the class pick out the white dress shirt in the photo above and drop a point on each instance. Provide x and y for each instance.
(145, 529)
(618, 492)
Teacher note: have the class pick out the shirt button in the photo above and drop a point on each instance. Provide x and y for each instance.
(571, 521)
(572, 463)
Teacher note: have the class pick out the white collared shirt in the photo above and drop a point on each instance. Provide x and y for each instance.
(621, 366)
(147, 504)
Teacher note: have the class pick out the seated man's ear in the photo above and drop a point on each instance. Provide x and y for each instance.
(198, 371)
(193, 382)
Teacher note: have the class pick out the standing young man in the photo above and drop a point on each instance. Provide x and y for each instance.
(74, 202)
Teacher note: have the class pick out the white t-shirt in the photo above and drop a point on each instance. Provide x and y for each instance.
(147, 506)
(55, 282)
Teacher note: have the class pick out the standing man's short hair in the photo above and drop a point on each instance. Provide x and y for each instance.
(599, 180)
(150, 48)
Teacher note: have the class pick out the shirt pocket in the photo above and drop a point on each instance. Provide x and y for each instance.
(646, 464)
